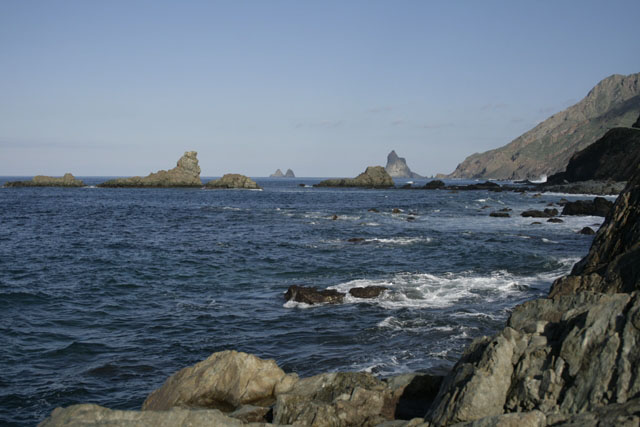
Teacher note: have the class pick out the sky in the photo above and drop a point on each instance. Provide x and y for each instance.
(326, 88)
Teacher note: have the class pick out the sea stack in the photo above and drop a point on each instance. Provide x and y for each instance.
(397, 167)
(373, 177)
(68, 180)
(185, 174)
(278, 174)
(233, 180)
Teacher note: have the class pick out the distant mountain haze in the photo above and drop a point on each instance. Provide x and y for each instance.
(547, 148)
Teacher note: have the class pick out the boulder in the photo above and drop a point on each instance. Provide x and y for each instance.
(233, 180)
(434, 185)
(372, 177)
(185, 174)
(68, 180)
(397, 167)
(533, 213)
(555, 220)
(336, 399)
(587, 230)
(367, 291)
(312, 295)
(225, 380)
(596, 207)
(93, 415)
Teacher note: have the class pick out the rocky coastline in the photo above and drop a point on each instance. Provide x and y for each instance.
(566, 360)
(233, 180)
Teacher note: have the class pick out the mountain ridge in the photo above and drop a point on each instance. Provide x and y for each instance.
(547, 148)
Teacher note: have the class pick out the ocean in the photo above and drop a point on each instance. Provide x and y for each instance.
(107, 292)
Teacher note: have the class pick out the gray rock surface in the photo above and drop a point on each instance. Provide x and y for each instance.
(185, 174)
(225, 381)
(372, 177)
(336, 399)
(289, 174)
(233, 180)
(68, 180)
(397, 167)
(277, 174)
(93, 415)
(596, 207)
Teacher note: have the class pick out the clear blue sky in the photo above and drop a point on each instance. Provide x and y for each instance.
(323, 87)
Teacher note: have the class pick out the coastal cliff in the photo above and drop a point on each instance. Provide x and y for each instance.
(68, 180)
(547, 148)
(567, 360)
(397, 167)
(185, 174)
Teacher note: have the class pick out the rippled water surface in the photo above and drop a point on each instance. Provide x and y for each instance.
(107, 292)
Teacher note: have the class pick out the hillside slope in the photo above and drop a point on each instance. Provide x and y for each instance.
(547, 148)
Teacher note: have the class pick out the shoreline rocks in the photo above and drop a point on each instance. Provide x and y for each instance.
(233, 180)
(596, 207)
(68, 180)
(372, 177)
(185, 174)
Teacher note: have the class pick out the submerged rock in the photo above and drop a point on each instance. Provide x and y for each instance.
(434, 185)
(533, 213)
(373, 177)
(185, 174)
(596, 207)
(68, 180)
(587, 230)
(233, 180)
(367, 291)
(500, 214)
(312, 295)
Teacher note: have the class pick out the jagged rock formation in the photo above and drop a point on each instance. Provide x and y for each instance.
(572, 359)
(397, 167)
(278, 174)
(185, 174)
(233, 180)
(547, 148)
(68, 180)
(373, 177)
(613, 157)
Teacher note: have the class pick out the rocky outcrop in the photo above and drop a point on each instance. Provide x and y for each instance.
(373, 177)
(547, 148)
(225, 381)
(596, 207)
(534, 213)
(613, 262)
(185, 174)
(68, 180)
(233, 180)
(397, 167)
(613, 157)
(434, 185)
(367, 291)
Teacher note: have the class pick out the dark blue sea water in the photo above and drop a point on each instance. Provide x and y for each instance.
(104, 293)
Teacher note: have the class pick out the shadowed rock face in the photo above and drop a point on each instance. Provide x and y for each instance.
(547, 148)
(373, 177)
(596, 207)
(397, 167)
(233, 180)
(68, 180)
(185, 174)
(613, 157)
